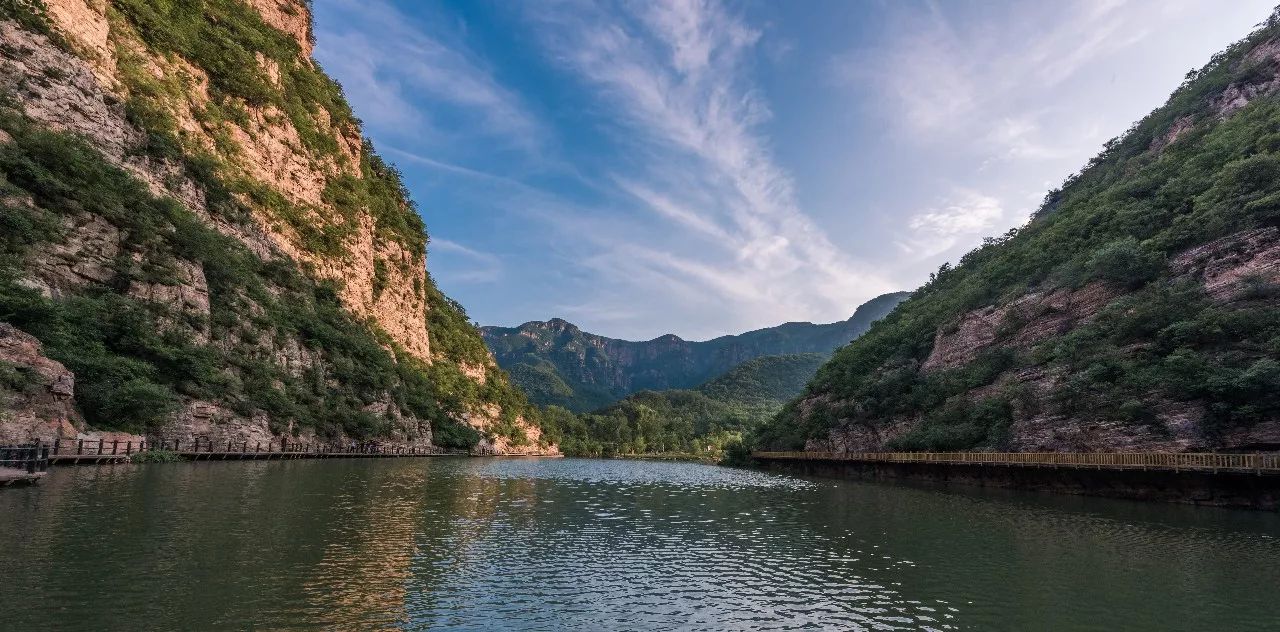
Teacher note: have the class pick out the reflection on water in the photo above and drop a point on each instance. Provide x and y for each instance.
(484, 544)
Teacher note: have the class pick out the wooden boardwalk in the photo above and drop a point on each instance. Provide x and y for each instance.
(1258, 463)
(86, 451)
(18, 476)
(22, 464)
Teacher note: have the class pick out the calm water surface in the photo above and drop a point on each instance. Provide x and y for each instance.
(572, 544)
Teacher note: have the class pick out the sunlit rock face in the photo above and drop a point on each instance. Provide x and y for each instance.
(270, 137)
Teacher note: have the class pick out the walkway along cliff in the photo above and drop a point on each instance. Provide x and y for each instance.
(197, 243)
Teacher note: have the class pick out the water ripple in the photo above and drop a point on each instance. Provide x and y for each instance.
(526, 544)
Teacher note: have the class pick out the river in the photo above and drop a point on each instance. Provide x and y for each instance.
(580, 544)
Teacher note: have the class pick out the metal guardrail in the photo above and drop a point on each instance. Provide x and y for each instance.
(1139, 460)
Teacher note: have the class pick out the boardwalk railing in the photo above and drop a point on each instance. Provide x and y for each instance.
(1139, 460)
(107, 450)
(30, 457)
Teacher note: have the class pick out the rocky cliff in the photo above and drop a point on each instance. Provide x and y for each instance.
(196, 229)
(558, 363)
(1138, 310)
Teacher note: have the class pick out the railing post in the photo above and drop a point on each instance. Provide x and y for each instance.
(79, 446)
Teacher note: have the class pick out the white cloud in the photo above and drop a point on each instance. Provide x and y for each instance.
(391, 64)
(676, 78)
(1003, 100)
(984, 78)
(965, 216)
(467, 265)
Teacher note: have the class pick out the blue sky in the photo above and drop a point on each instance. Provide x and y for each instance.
(702, 168)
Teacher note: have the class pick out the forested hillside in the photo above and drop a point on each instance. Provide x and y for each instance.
(1139, 309)
(557, 363)
(700, 421)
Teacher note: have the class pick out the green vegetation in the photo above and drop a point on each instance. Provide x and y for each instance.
(696, 422)
(15, 378)
(456, 345)
(765, 381)
(736, 453)
(225, 39)
(155, 456)
(1119, 221)
(558, 364)
(135, 361)
(31, 15)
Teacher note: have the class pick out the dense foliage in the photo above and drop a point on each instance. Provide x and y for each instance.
(697, 422)
(558, 364)
(135, 360)
(1136, 205)
(226, 39)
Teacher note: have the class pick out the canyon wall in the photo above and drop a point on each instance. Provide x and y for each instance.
(1138, 310)
(266, 241)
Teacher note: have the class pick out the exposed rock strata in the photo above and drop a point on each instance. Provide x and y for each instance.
(379, 280)
(1237, 267)
(42, 407)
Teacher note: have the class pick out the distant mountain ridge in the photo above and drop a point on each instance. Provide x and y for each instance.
(555, 362)
(701, 420)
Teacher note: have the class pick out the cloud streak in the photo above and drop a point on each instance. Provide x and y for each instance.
(402, 75)
(467, 265)
(675, 77)
(965, 216)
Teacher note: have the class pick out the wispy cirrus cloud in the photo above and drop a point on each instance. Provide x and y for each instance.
(635, 166)
(675, 78)
(410, 75)
(464, 264)
(985, 77)
(964, 216)
(1005, 98)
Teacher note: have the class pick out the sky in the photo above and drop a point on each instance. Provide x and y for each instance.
(704, 168)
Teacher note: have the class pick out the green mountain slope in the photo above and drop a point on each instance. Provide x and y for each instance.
(698, 420)
(768, 381)
(1138, 310)
(557, 363)
(197, 241)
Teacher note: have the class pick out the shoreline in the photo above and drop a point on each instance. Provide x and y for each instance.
(1202, 488)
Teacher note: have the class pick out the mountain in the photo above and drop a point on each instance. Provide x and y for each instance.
(198, 241)
(557, 363)
(698, 420)
(1139, 309)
